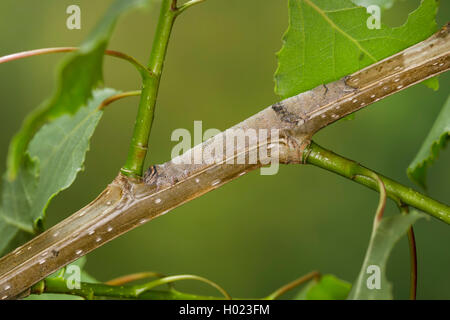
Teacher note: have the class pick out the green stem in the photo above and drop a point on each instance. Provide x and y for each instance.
(320, 157)
(139, 144)
(170, 279)
(91, 291)
(117, 289)
(94, 290)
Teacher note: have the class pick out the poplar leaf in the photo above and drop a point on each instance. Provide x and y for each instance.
(78, 74)
(383, 4)
(53, 159)
(372, 283)
(429, 151)
(329, 39)
(84, 277)
(329, 287)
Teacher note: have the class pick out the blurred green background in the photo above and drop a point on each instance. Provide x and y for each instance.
(258, 232)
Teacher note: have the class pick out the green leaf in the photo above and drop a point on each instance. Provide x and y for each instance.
(80, 263)
(385, 235)
(328, 287)
(54, 157)
(85, 277)
(78, 74)
(52, 296)
(436, 140)
(432, 83)
(383, 4)
(328, 39)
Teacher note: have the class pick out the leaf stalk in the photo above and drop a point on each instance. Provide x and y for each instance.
(37, 52)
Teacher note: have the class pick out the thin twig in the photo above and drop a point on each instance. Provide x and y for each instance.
(140, 289)
(382, 201)
(119, 289)
(91, 291)
(118, 96)
(189, 4)
(32, 53)
(413, 257)
(134, 165)
(133, 277)
(294, 284)
(326, 159)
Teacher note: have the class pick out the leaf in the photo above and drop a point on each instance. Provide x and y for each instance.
(78, 74)
(85, 277)
(52, 296)
(385, 235)
(383, 4)
(429, 151)
(328, 39)
(54, 157)
(328, 287)
(432, 83)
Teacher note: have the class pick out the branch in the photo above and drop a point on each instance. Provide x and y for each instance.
(118, 290)
(91, 291)
(150, 87)
(320, 157)
(128, 202)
